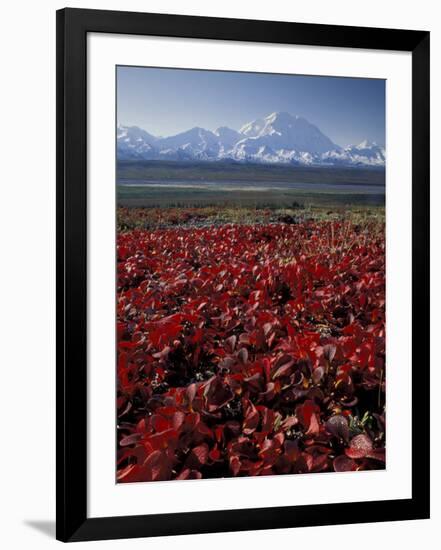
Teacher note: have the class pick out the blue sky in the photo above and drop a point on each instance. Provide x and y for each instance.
(167, 101)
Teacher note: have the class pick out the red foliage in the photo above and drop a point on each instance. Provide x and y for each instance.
(250, 350)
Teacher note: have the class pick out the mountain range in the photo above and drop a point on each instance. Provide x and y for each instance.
(279, 138)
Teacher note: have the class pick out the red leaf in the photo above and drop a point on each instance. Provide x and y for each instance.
(251, 420)
(359, 447)
(189, 474)
(344, 464)
(217, 394)
(198, 456)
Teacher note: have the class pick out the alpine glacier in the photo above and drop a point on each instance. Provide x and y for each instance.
(279, 138)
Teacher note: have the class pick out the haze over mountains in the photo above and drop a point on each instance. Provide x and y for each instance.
(279, 138)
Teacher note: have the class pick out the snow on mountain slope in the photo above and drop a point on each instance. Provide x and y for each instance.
(196, 139)
(133, 142)
(285, 131)
(252, 129)
(227, 137)
(277, 138)
(366, 153)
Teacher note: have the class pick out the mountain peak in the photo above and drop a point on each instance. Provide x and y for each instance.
(197, 129)
(282, 130)
(279, 137)
(281, 115)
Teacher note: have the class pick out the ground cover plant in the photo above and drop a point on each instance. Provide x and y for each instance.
(249, 342)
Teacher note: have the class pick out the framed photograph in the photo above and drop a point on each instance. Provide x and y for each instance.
(242, 275)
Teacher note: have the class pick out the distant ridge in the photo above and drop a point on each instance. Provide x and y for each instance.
(279, 138)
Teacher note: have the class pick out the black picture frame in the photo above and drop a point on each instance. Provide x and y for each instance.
(71, 509)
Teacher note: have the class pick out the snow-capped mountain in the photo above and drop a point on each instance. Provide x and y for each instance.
(279, 138)
(133, 142)
(365, 153)
(285, 131)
